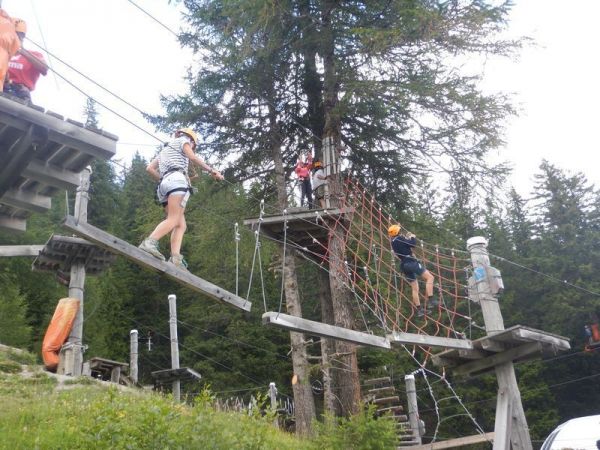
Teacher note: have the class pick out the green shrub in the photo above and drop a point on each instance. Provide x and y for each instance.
(361, 432)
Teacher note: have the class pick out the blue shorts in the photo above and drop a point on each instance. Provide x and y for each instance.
(412, 268)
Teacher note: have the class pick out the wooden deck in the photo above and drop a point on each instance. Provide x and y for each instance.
(131, 252)
(42, 154)
(60, 252)
(518, 343)
(306, 229)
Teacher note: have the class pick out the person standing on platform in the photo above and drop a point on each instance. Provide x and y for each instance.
(170, 169)
(9, 44)
(411, 267)
(319, 180)
(303, 173)
(25, 68)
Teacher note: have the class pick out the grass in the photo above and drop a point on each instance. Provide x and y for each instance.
(90, 415)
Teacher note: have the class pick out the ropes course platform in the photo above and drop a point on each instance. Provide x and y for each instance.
(515, 344)
(305, 229)
(60, 252)
(42, 153)
(131, 252)
(293, 323)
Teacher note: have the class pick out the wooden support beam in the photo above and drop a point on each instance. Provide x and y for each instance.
(51, 175)
(527, 335)
(131, 252)
(322, 329)
(453, 443)
(20, 250)
(27, 200)
(13, 223)
(496, 359)
(299, 216)
(399, 337)
(18, 157)
(20, 116)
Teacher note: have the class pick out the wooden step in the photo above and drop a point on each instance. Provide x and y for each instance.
(406, 444)
(375, 381)
(382, 390)
(397, 408)
(399, 418)
(386, 400)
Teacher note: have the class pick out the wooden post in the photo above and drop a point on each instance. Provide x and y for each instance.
(133, 356)
(413, 408)
(273, 395)
(174, 345)
(511, 425)
(77, 281)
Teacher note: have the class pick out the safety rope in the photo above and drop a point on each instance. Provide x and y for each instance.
(285, 219)
(236, 236)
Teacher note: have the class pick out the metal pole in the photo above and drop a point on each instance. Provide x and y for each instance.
(510, 425)
(133, 356)
(273, 395)
(413, 408)
(77, 280)
(174, 345)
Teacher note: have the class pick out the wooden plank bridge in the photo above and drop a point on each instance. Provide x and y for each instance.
(131, 252)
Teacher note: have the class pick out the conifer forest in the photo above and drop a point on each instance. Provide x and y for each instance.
(393, 85)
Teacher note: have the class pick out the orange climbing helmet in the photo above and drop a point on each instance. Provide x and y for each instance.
(317, 163)
(189, 132)
(394, 230)
(20, 25)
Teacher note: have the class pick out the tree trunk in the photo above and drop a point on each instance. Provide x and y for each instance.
(311, 82)
(346, 380)
(304, 404)
(331, 406)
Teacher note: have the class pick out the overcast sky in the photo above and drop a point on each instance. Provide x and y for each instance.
(555, 83)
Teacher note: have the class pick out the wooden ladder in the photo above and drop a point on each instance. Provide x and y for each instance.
(382, 393)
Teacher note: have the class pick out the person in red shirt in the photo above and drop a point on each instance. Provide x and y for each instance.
(25, 68)
(303, 173)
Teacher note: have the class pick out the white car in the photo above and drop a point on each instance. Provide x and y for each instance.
(581, 433)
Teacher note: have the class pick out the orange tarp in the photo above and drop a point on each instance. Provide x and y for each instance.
(9, 43)
(58, 331)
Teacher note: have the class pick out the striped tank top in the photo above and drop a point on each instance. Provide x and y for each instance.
(172, 157)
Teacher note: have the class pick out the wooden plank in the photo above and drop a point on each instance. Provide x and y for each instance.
(20, 250)
(13, 223)
(142, 258)
(471, 354)
(21, 116)
(453, 443)
(499, 358)
(27, 200)
(399, 337)
(322, 329)
(51, 175)
(529, 334)
(308, 215)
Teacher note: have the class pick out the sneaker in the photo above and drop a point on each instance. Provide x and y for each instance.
(433, 303)
(420, 311)
(179, 262)
(150, 245)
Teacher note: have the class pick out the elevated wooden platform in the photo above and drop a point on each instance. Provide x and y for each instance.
(311, 327)
(41, 153)
(453, 443)
(515, 344)
(131, 252)
(429, 341)
(60, 252)
(305, 228)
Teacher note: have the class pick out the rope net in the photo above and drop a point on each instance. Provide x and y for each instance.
(372, 272)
